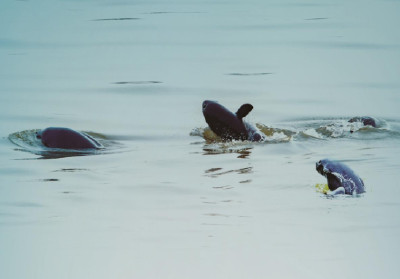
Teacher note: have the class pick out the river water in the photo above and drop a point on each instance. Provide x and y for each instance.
(165, 198)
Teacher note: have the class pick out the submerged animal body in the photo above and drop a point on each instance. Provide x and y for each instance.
(366, 120)
(228, 125)
(341, 179)
(65, 138)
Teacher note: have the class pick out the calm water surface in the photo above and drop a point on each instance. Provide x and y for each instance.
(165, 201)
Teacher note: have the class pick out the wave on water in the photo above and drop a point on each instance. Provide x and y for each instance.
(28, 142)
(342, 128)
(273, 135)
(300, 130)
(324, 189)
(217, 145)
(269, 135)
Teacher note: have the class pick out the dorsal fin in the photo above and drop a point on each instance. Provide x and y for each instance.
(244, 110)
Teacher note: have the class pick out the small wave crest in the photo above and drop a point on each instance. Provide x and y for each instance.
(268, 134)
(342, 128)
(320, 129)
(274, 135)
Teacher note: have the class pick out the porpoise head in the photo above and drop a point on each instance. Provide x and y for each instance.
(323, 168)
(210, 107)
(320, 167)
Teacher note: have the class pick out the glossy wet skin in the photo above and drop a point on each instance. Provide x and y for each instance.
(340, 175)
(223, 122)
(227, 124)
(65, 138)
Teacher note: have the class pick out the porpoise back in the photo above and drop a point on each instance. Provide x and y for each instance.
(65, 138)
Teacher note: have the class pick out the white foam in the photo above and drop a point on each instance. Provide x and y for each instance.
(312, 133)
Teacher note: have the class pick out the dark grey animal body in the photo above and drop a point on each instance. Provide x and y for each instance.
(228, 125)
(366, 120)
(341, 179)
(56, 137)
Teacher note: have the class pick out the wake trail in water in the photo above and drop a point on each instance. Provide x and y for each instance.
(300, 130)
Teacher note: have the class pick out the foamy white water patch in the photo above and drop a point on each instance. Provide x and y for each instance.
(312, 133)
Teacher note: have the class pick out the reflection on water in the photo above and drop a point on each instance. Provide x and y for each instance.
(316, 18)
(49, 180)
(23, 204)
(239, 171)
(70, 170)
(248, 74)
(158, 13)
(213, 170)
(244, 152)
(227, 187)
(137, 82)
(245, 181)
(121, 18)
